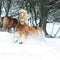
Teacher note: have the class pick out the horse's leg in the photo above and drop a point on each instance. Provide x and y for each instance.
(15, 35)
(4, 28)
(17, 38)
(20, 39)
(0, 28)
(4, 24)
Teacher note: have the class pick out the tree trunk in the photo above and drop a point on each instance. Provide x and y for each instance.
(0, 7)
(35, 17)
(44, 14)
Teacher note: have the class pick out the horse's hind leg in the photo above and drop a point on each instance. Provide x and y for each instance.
(4, 28)
(4, 24)
(0, 28)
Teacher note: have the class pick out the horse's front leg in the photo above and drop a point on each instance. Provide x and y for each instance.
(15, 35)
(18, 38)
(4, 28)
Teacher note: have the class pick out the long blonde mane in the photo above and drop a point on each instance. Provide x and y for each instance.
(27, 15)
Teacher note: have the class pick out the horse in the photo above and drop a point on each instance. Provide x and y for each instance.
(8, 23)
(22, 28)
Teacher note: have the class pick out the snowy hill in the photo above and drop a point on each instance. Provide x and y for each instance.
(31, 49)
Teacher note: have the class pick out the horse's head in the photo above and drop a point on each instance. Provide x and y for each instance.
(23, 16)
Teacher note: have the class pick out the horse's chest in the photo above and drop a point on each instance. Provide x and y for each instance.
(22, 28)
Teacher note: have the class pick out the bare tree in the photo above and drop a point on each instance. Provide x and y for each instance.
(7, 5)
(0, 7)
(44, 13)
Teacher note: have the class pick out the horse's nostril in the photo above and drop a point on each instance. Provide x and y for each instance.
(22, 21)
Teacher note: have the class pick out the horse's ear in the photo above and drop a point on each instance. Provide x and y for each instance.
(27, 15)
(22, 10)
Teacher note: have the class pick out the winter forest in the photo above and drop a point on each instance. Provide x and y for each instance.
(44, 14)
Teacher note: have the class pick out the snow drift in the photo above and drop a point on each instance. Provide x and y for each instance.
(31, 49)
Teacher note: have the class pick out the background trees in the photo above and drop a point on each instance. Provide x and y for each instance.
(0, 7)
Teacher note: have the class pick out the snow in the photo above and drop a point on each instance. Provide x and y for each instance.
(52, 30)
(31, 49)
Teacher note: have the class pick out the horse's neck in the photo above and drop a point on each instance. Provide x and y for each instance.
(23, 24)
(19, 24)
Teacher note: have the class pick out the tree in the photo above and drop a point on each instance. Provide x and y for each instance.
(46, 6)
(0, 7)
(7, 5)
(44, 14)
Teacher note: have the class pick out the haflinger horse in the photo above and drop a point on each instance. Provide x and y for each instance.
(8, 22)
(22, 28)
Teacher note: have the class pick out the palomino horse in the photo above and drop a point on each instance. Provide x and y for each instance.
(22, 28)
(8, 22)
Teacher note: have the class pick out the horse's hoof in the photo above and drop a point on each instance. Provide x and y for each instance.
(20, 42)
(16, 41)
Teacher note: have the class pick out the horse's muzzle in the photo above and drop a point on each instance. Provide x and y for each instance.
(21, 21)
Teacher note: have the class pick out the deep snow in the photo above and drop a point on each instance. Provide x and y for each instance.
(31, 49)
(52, 28)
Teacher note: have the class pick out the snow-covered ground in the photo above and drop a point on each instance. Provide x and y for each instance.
(52, 28)
(31, 49)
